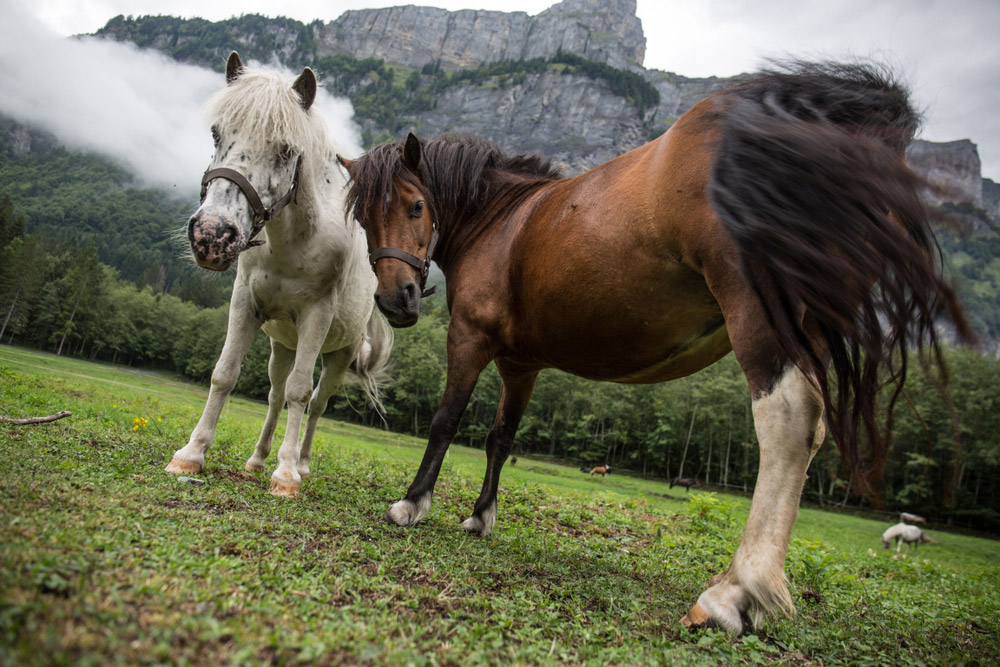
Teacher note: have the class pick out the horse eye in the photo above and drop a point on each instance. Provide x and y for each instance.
(216, 137)
(417, 210)
(285, 153)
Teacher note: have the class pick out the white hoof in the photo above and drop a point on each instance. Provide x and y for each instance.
(718, 607)
(181, 467)
(482, 525)
(407, 513)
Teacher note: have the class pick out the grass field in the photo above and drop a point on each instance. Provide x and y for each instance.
(105, 558)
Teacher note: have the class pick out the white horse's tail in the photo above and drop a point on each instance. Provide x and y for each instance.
(370, 365)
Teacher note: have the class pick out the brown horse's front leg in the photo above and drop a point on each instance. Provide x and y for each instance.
(514, 396)
(465, 363)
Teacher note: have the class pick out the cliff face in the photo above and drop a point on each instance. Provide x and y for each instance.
(952, 167)
(606, 31)
(578, 120)
(572, 119)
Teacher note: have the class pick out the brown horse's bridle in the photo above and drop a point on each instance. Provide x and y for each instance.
(422, 265)
(261, 214)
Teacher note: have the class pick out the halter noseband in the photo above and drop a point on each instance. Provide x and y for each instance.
(261, 214)
(422, 265)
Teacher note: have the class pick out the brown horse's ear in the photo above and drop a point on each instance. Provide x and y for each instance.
(234, 67)
(411, 152)
(344, 162)
(305, 86)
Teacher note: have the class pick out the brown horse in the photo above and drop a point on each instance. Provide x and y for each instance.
(601, 470)
(760, 223)
(686, 482)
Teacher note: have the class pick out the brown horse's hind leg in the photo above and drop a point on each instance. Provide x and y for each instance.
(514, 396)
(787, 420)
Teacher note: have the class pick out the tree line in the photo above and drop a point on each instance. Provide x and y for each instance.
(944, 461)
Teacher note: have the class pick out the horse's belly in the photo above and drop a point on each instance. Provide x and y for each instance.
(286, 333)
(645, 359)
(629, 331)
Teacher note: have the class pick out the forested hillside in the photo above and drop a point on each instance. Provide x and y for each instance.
(58, 296)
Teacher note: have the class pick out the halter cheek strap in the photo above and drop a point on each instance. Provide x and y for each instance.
(261, 214)
(422, 265)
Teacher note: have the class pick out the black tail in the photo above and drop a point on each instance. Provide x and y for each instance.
(810, 180)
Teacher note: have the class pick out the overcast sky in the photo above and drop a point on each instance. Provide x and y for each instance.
(948, 50)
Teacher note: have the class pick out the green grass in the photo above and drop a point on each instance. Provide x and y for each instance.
(105, 559)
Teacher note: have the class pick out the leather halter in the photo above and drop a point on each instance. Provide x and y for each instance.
(422, 265)
(261, 214)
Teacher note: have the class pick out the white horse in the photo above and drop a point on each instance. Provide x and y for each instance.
(305, 281)
(902, 532)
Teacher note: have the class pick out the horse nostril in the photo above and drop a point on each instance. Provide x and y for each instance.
(411, 294)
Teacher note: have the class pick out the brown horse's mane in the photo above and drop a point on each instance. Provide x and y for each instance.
(460, 174)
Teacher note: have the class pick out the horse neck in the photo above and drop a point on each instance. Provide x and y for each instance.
(464, 226)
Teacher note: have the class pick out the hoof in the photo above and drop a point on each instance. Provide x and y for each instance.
(698, 618)
(182, 467)
(474, 526)
(408, 513)
(304, 475)
(249, 467)
(483, 522)
(284, 489)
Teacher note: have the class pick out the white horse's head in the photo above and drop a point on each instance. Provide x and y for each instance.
(264, 132)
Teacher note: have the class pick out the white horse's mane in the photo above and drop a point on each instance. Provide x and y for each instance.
(263, 105)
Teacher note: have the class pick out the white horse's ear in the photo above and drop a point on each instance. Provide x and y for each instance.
(305, 86)
(344, 162)
(411, 152)
(234, 67)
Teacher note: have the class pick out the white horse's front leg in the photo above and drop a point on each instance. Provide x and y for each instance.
(790, 433)
(312, 329)
(239, 334)
(278, 367)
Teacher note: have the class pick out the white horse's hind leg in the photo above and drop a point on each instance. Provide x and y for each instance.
(334, 368)
(278, 367)
(239, 334)
(787, 421)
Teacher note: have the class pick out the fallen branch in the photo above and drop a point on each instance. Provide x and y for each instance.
(36, 420)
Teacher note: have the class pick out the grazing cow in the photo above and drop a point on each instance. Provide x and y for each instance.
(902, 532)
(601, 470)
(686, 482)
(906, 517)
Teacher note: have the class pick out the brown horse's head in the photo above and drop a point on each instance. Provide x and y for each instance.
(392, 205)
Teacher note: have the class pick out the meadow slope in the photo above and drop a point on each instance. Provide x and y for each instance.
(106, 559)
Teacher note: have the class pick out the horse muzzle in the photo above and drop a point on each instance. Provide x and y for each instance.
(215, 241)
(401, 306)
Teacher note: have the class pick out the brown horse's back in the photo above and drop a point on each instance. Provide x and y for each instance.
(602, 283)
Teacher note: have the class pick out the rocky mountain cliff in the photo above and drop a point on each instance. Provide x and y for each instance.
(571, 115)
(606, 31)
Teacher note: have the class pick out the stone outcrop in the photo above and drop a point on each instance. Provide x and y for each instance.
(606, 31)
(572, 119)
(953, 169)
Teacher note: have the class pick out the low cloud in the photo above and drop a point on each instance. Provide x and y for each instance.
(137, 107)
